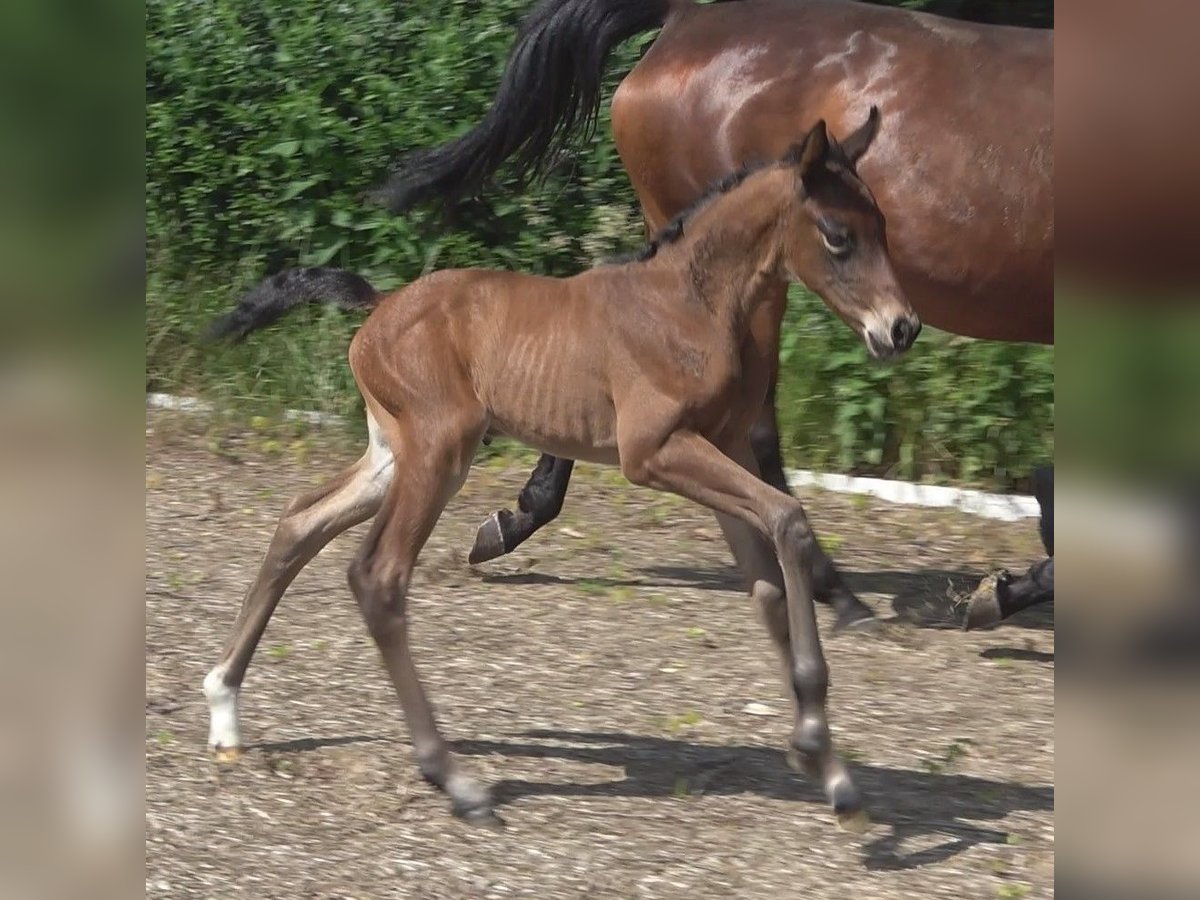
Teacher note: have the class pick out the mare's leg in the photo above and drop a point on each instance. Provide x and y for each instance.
(309, 523)
(1009, 595)
(828, 584)
(380, 577)
(689, 465)
(1043, 490)
(539, 503)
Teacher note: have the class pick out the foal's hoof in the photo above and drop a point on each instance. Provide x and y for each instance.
(476, 810)
(489, 541)
(983, 609)
(847, 806)
(802, 763)
(472, 802)
(228, 755)
(480, 816)
(857, 822)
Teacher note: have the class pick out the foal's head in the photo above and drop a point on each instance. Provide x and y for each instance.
(834, 240)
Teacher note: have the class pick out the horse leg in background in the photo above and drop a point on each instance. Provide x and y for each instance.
(828, 585)
(1043, 490)
(309, 523)
(538, 504)
(438, 458)
(992, 603)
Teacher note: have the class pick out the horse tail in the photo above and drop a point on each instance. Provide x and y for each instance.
(280, 293)
(549, 95)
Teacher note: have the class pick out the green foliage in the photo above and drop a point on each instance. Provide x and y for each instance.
(266, 123)
(952, 409)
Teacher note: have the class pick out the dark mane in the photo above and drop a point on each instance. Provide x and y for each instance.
(673, 230)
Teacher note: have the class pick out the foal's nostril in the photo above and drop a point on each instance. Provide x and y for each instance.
(904, 332)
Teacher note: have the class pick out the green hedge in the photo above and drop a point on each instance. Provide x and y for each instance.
(266, 122)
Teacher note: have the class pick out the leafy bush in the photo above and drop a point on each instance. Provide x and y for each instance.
(952, 409)
(267, 122)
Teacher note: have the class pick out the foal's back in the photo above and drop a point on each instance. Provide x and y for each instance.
(531, 354)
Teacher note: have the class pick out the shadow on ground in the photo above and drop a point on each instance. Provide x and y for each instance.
(927, 598)
(907, 804)
(308, 745)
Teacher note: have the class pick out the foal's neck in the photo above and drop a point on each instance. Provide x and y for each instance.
(730, 251)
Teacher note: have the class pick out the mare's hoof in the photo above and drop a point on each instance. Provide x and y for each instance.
(489, 541)
(983, 609)
(853, 615)
(227, 755)
(858, 618)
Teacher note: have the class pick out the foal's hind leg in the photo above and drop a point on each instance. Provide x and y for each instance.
(309, 523)
(379, 578)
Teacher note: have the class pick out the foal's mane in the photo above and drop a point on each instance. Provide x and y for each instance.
(670, 233)
(673, 230)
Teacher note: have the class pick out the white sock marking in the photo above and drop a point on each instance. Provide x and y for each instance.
(222, 711)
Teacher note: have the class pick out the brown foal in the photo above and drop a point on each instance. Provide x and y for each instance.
(659, 365)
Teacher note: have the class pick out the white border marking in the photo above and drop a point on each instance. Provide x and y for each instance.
(195, 405)
(1005, 507)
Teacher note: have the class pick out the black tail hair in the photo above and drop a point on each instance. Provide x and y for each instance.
(549, 94)
(288, 289)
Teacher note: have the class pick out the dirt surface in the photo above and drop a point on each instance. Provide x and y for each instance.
(609, 678)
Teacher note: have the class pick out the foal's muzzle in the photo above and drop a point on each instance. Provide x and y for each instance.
(896, 339)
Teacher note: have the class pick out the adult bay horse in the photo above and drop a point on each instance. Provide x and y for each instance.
(962, 170)
(691, 332)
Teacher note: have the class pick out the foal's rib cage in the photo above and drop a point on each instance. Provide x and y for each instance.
(669, 393)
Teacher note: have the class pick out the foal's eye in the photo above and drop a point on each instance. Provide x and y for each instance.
(838, 243)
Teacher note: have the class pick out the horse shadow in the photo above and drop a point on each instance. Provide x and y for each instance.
(909, 804)
(309, 745)
(712, 579)
(926, 598)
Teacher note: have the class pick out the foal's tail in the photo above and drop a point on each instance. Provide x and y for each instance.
(288, 289)
(549, 94)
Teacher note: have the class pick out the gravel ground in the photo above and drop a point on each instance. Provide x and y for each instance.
(612, 682)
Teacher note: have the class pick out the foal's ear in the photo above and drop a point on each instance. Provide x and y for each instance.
(856, 144)
(811, 151)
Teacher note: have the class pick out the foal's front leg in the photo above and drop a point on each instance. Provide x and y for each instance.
(828, 584)
(688, 464)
